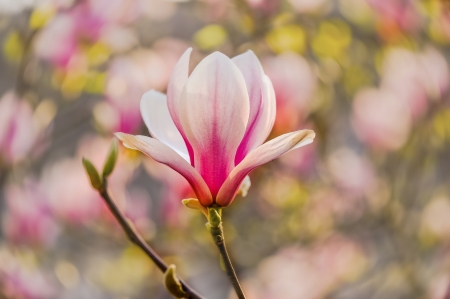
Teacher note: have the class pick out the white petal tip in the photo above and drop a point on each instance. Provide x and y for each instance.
(125, 138)
(245, 186)
(304, 137)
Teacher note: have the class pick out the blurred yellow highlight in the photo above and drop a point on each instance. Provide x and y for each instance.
(288, 38)
(41, 16)
(67, 274)
(44, 113)
(98, 54)
(127, 272)
(210, 37)
(73, 84)
(332, 39)
(13, 47)
(95, 82)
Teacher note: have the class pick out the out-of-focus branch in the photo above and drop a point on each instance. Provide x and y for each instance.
(137, 239)
(21, 84)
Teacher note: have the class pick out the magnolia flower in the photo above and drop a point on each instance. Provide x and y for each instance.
(211, 125)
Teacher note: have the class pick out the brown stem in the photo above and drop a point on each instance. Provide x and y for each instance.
(219, 239)
(137, 239)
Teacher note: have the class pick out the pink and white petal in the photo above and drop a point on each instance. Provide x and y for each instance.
(165, 155)
(214, 111)
(261, 155)
(157, 118)
(258, 132)
(272, 105)
(177, 82)
(252, 71)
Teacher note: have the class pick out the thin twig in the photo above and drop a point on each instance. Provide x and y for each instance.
(22, 85)
(219, 240)
(137, 239)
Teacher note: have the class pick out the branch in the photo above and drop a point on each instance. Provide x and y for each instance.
(137, 239)
(215, 222)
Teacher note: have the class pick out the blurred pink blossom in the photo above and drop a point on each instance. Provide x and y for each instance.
(70, 194)
(20, 281)
(403, 13)
(416, 77)
(18, 132)
(383, 117)
(64, 38)
(328, 205)
(402, 75)
(130, 76)
(265, 6)
(320, 269)
(294, 82)
(439, 287)
(435, 72)
(380, 119)
(61, 39)
(28, 218)
(358, 177)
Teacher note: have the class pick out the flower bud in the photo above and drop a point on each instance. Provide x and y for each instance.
(173, 284)
(93, 175)
(214, 217)
(111, 159)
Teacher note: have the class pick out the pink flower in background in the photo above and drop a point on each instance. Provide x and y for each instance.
(435, 74)
(402, 76)
(18, 132)
(403, 13)
(130, 76)
(70, 195)
(19, 280)
(320, 268)
(358, 178)
(212, 124)
(294, 82)
(380, 119)
(265, 6)
(61, 42)
(28, 219)
(383, 117)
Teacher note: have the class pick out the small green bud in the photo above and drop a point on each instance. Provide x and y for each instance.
(214, 217)
(111, 159)
(173, 284)
(93, 175)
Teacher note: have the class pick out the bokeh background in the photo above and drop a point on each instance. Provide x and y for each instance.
(363, 212)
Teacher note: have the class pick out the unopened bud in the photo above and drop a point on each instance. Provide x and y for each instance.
(214, 217)
(173, 284)
(111, 159)
(93, 175)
